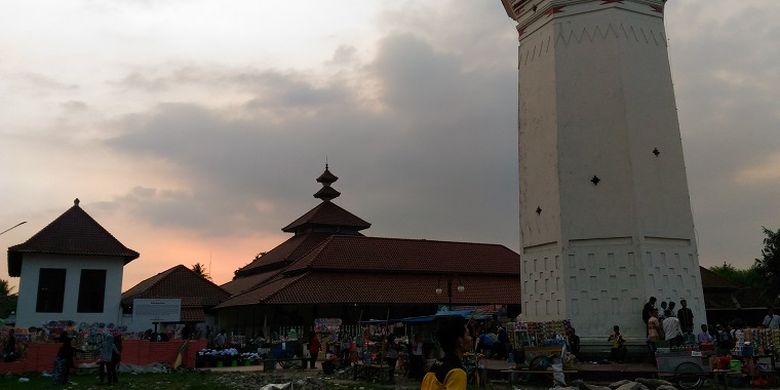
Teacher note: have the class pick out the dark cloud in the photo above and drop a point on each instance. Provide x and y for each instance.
(424, 134)
(434, 155)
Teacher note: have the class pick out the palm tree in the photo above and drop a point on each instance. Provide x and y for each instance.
(200, 269)
(5, 288)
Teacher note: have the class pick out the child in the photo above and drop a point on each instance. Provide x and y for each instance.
(618, 345)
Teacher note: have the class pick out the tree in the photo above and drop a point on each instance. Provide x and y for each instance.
(5, 288)
(750, 277)
(768, 265)
(200, 269)
(7, 300)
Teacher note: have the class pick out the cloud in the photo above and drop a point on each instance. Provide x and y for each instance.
(728, 116)
(438, 161)
(45, 82)
(74, 106)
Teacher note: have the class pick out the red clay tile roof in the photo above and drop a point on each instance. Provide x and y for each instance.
(379, 288)
(260, 293)
(327, 214)
(192, 314)
(409, 255)
(244, 283)
(711, 280)
(284, 253)
(178, 282)
(73, 233)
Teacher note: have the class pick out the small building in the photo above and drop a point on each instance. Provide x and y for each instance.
(330, 269)
(198, 297)
(70, 270)
(726, 301)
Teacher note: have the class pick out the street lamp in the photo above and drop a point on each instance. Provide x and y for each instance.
(460, 288)
(13, 227)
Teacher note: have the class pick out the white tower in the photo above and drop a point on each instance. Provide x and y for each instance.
(605, 214)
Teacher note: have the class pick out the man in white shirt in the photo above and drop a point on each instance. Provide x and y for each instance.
(672, 329)
(772, 320)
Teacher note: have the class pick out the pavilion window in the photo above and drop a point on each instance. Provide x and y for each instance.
(51, 290)
(92, 288)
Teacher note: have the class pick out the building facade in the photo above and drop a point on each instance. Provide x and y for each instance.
(330, 269)
(70, 270)
(605, 213)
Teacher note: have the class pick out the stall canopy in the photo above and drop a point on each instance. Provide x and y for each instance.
(470, 314)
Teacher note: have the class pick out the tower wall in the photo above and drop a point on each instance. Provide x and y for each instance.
(605, 211)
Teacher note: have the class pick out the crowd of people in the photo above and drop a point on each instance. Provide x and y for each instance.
(676, 328)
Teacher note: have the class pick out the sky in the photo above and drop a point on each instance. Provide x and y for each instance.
(193, 130)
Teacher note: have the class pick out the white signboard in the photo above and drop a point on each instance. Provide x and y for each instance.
(156, 310)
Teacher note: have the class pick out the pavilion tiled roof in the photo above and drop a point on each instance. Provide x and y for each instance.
(327, 214)
(711, 280)
(379, 288)
(292, 249)
(409, 255)
(244, 283)
(178, 282)
(73, 233)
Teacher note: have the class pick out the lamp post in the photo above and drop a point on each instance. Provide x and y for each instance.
(13, 227)
(460, 288)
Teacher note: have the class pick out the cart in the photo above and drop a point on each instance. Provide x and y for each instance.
(688, 369)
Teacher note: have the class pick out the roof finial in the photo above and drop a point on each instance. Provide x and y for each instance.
(327, 193)
(76, 202)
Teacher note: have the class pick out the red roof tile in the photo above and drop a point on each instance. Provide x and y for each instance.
(192, 314)
(284, 253)
(178, 282)
(73, 233)
(327, 214)
(408, 255)
(379, 288)
(260, 293)
(244, 283)
(711, 280)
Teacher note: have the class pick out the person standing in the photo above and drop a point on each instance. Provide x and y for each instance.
(417, 363)
(64, 360)
(661, 311)
(647, 311)
(117, 358)
(314, 349)
(653, 333)
(574, 342)
(9, 347)
(220, 340)
(672, 329)
(391, 356)
(725, 341)
(455, 340)
(685, 315)
(107, 351)
(771, 320)
(617, 352)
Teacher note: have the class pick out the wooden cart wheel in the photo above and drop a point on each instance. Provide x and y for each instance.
(689, 375)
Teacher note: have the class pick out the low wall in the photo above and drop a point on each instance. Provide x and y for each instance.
(39, 357)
